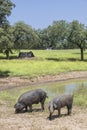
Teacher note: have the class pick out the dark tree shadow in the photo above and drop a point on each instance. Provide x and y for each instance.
(54, 59)
(21, 112)
(4, 74)
(68, 59)
(37, 110)
(73, 59)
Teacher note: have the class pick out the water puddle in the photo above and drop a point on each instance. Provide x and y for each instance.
(53, 88)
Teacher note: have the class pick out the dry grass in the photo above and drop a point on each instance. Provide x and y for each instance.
(38, 120)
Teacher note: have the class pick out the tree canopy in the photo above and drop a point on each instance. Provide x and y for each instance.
(24, 36)
(5, 10)
(78, 36)
(6, 34)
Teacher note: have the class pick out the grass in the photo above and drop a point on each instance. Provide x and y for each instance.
(46, 62)
(80, 98)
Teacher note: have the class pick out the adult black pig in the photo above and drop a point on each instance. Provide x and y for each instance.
(58, 102)
(29, 98)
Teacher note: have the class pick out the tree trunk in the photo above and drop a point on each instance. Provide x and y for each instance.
(7, 53)
(82, 54)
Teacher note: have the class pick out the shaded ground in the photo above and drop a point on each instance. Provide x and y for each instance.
(38, 120)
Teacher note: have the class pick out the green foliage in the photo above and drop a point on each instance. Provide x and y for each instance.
(64, 35)
(24, 36)
(58, 32)
(44, 38)
(6, 34)
(5, 10)
(78, 36)
(6, 40)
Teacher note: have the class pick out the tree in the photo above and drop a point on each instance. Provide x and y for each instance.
(6, 40)
(78, 36)
(6, 37)
(44, 38)
(58, 33)
(24, 36)
(5, 10)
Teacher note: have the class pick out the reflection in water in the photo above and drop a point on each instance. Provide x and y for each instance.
(70, 88)
(74, 86)
(55, 88)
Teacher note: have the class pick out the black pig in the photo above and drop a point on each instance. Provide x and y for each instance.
(29, 98)
(58, 102)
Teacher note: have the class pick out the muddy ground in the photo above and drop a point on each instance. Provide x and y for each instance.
(38, 120)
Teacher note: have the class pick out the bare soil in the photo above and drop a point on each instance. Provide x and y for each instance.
(38, 120)
(11, 82)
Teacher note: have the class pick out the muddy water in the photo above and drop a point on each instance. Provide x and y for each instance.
(53, 88)
(70, 86)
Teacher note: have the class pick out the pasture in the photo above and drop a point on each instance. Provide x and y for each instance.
(45, 62)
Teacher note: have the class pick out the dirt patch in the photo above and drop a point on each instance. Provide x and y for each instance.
(39, 120)
(11, 82)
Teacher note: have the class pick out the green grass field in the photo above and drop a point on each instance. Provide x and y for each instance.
(45, 62)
